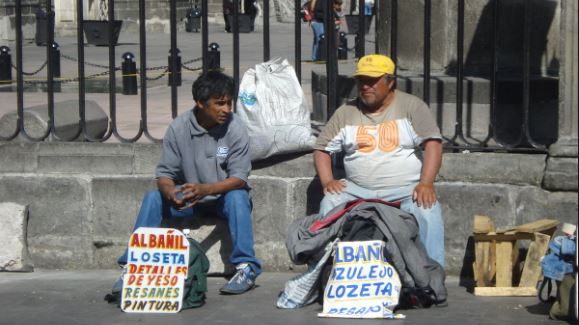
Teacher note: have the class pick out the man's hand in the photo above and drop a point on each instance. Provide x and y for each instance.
(323, 163)
(334, 186)
(192, 193)
(424, 195)
(170, 192)
(184, 197)
(175, 197)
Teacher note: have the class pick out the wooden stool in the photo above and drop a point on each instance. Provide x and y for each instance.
(496, 253)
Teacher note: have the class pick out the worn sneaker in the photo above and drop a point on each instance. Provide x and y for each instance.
(118, 285)
(116, 292)
(241, 282)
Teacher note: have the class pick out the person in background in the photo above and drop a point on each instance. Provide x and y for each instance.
(318, 7)
(368, 7)
(339, 13)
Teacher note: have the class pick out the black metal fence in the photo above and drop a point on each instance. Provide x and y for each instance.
(522, 141)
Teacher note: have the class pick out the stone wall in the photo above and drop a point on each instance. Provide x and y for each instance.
(157, 16)
(8, 21)
(478, 47)
(83, 200)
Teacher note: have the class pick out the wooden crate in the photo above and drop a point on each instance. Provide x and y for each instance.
(496, 253)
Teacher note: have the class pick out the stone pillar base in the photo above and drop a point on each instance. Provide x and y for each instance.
(14, 248)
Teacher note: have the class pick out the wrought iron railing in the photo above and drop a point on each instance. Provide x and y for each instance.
(524, 141)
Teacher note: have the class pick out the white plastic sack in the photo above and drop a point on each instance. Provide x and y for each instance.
(302, 290)
(272, 104)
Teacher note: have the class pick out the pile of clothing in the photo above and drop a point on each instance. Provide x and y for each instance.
(310, 239)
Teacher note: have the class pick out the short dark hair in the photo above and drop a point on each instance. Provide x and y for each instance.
(212, 84)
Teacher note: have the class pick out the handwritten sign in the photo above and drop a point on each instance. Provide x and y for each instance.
(362, 283)
(156, 271)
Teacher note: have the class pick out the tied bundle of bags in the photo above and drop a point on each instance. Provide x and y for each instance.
(272, 104)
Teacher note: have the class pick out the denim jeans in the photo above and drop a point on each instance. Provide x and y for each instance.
(558, 262)
(235, 206)
(318, 29)
(368, 8)
(430, 223)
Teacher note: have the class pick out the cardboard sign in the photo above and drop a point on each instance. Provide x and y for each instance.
(362, 283)
(156, 271)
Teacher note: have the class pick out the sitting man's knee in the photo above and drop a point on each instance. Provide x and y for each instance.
(434, 209)
(237, 198)
(153, 196)
(239, 194)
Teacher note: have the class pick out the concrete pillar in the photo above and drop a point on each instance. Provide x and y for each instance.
(410, 26)
(561, 172)
(65, 11)
(383, 26)
(477, 35)
(14, 249)
(566, 146)
(8, 19)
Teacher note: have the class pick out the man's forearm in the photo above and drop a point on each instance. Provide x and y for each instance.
(323, 164)
(432, 160)
(224, 186)
(165, 185)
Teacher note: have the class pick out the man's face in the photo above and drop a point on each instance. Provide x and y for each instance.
(373, 91)
(215, 111)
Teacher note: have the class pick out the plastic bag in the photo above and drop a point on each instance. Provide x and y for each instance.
(272, 104)
(302, 290)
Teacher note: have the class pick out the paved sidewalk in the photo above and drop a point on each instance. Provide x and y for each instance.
(76, 297)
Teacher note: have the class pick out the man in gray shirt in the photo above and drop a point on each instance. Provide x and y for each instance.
(204, 168)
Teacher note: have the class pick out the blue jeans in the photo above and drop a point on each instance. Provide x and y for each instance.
(318, 29)
(430, 223)
(235, 206)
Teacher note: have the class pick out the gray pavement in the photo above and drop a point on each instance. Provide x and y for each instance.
(76, 297)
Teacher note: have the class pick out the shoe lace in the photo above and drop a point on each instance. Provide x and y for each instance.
(242, 274)
(239, 277)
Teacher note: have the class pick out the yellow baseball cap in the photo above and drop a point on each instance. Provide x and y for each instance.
(375, 65)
